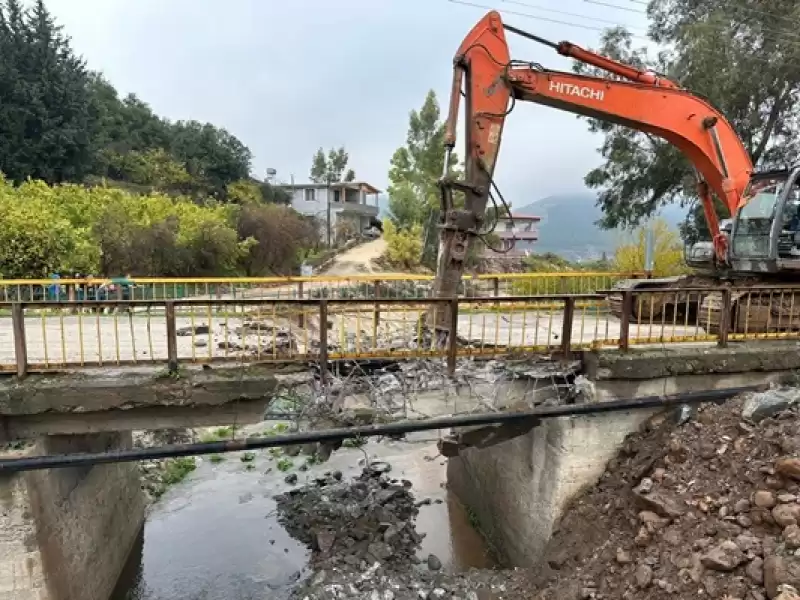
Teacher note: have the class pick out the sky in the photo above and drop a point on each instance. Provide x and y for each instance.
(287, 77)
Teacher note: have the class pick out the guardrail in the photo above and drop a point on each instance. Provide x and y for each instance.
(51, 336)
(353, 286)
(54, 336)
(720, 314)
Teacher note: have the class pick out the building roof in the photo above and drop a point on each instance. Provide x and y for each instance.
(350, 185)
(521, 217)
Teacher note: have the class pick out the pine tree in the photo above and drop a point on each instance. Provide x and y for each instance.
(46, 119)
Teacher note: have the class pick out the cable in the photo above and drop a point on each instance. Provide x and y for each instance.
(780, 32)
(794, 44)
(530, 16)
(562, 12)
(617, 6)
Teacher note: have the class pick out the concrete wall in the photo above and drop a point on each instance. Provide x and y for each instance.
(518, 489)
(65, 534)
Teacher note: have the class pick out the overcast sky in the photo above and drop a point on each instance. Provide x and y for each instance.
(288, 76)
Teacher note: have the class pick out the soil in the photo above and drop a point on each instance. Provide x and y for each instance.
(705, 509)
(709, 508)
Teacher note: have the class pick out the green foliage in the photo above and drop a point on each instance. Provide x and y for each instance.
(403, 246)
(244, 192)
(101, 230)
(734, 55)
(414, 197)
(278, 233)
(331, 169)
(667, 252)
(285, 464)
(178, 469)
(46, 119)
(211, 155)
(61, 123)
(154, 168)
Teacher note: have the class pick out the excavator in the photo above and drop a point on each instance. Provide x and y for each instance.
(759, 245)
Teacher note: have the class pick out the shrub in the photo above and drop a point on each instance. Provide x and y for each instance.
(403, 247)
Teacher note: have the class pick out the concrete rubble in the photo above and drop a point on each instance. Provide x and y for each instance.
(705, 508)
(365, 545)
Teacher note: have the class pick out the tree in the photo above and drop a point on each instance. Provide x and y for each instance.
(667, 251)
(414, 197)
(47, 122)
(331, 169)
(210, 154)
(742, 59)
(403, 246)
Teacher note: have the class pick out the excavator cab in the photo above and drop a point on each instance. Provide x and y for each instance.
(765, 237)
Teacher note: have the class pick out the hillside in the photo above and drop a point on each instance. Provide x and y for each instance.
(568, 226)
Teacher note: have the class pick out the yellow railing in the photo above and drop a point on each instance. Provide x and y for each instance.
(48, 336)
(52, 336)
(350, 286)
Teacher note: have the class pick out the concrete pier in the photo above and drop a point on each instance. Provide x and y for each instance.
(65, 534)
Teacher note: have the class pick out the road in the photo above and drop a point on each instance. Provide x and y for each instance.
(358, 260)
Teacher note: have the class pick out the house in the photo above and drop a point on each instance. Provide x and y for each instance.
(352, 205)
(517, 235)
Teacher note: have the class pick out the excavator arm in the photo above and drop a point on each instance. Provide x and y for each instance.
(491, 81)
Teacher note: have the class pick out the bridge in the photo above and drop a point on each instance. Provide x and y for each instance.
(86, 366)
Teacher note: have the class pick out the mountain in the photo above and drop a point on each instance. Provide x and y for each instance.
(568, 226)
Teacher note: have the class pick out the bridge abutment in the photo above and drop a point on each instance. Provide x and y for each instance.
(65, 534)
(520, 488)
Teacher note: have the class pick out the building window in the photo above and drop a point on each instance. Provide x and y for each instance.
(309, 195)
(509, 226)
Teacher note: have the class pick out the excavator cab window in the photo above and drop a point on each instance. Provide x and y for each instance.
(751, 236)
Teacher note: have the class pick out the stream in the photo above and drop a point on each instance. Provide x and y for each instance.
(216, 536)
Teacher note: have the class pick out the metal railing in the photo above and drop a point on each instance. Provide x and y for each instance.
(384, 285)
(53, 336)
(50, 336)
(718, 315)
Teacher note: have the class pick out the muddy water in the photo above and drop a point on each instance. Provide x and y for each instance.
(215, 535)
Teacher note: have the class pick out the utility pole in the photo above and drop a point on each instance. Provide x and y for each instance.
(328, 207)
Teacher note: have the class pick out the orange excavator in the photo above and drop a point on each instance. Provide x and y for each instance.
(756, 246)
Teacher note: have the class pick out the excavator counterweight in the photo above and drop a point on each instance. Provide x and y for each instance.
(492, 83)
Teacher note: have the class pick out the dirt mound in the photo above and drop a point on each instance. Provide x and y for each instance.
(709, 509)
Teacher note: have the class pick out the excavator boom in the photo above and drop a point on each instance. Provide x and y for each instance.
(643, 101)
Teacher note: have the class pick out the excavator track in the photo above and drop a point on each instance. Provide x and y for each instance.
(766, 312)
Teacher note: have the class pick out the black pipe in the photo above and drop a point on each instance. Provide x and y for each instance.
(330, 435)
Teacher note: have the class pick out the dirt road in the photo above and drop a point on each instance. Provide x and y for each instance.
(357, 260)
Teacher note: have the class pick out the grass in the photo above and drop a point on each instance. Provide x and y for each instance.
(285, 464)
(248, 457)
(216, 458)
(355, 442)
(218, 434)
(177, 469)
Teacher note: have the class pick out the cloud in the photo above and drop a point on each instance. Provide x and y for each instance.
(289, 77)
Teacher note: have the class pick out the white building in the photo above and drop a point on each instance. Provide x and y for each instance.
(354, 201)
(517, 235)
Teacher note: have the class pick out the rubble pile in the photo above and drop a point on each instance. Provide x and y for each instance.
(353, 523)
(708, 509)
(365, 544)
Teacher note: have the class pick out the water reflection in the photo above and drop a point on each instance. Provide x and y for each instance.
(216, 536)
